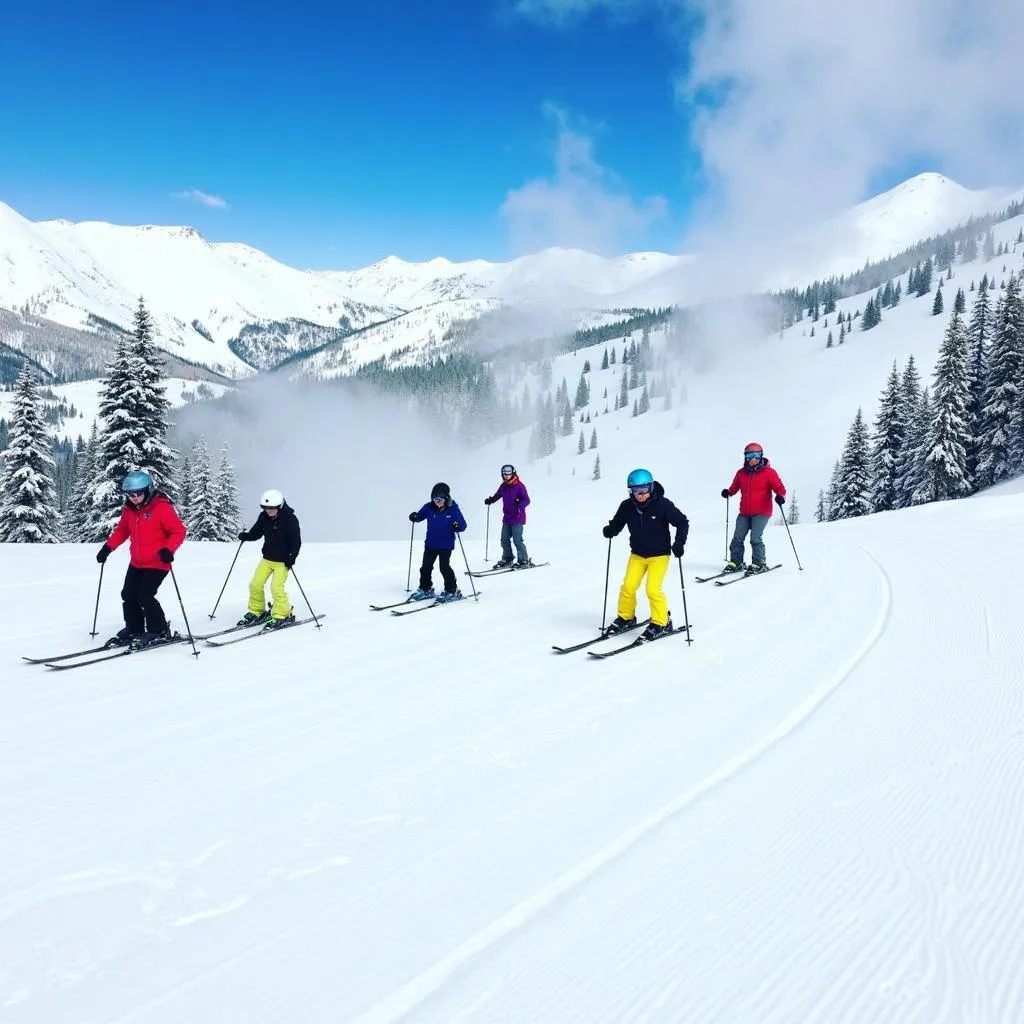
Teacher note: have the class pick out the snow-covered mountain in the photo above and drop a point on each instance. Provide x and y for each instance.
(233, 309)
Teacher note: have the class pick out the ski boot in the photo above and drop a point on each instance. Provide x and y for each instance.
(528, 564)
(448, 596)
(734, 567)
(619, 625)
(655, 632)
(423, 594)
(288, 620)
(253, 619)
(755, 567)
(503, 563)
(122, 638)
(151, 639)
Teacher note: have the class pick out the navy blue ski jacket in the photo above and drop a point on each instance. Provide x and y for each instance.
(441, 524)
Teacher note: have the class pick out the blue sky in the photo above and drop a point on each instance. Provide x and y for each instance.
(332, 135)
(335, 134)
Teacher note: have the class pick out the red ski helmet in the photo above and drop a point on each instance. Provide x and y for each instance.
(753, 449)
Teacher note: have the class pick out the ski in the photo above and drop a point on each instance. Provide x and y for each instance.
(597, 639)
(717, 575)
(120, 652)
(262, 632)
(509, 568)
(422, 606)
(109, 651)
(638, 642)
(747, 576)
(386, 607)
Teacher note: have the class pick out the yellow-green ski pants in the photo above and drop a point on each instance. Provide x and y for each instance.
(277, 573)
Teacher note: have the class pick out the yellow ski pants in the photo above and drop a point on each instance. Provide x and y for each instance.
(655, 568)
(277, 573)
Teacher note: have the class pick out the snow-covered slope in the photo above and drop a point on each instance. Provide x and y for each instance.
(813, 813)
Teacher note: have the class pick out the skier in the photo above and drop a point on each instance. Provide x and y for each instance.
(154, 531)
(755, 480)
(444, 520)
(648, 514)
(514, 499)
(278, 525)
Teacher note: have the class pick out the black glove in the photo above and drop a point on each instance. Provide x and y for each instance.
(103, 554)
(725, 492)
(166, 555)
(289, 561)
(243, 534)
(488, 501)
(608, 531)
(780, 500)
(414, 517)
(678, 547)
(456, 527)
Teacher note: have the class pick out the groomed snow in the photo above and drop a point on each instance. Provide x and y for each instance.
(811, 814)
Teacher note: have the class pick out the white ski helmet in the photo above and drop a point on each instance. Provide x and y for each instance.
(271, 499)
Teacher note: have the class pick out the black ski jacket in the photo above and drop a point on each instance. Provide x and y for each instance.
(648, 523)
(281, 536)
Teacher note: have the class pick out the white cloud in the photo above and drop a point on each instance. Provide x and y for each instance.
(815, 100)
(196, 195)
(583, 205)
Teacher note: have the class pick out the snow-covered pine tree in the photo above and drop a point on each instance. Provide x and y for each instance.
(581, 445)
(1002, 391)
(202, 523)
(945, 454)
(915, 483)
(593, 438)
(832, 494)
(28, 500)
(596, 475)
(979, 335)
(853, 492)
(885, 449)
(75, 525)
(158, 458)
(820, 513)
(229, 510)
(910, 400)
(793, 504)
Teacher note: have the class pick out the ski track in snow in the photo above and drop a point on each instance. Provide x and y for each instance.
(462, 826)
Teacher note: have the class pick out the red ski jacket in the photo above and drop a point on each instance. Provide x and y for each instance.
(150, 527)
(755, 487)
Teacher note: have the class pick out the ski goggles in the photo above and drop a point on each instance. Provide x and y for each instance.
(753, 455)
(507, 471)
(271, 508)
(640, 489)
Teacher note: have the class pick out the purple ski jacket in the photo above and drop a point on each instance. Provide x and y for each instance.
(514, 500)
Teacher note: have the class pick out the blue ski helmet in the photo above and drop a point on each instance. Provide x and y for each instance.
(639, 477)
(137, 481)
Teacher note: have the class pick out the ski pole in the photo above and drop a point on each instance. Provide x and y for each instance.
(727, 529)
(304, 598)
(607, 573)
(226, 578)
(795, 555)
(487, 535)
(96, 611)
(181, 605)
(686, 614)
(408, 575)
(472, 582)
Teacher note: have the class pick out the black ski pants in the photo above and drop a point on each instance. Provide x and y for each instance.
(142, 611)
(444, 561)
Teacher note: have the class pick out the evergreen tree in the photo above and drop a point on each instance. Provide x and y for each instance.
(597, 468)
(586, 366)
(1002, 391)
(582, 393)
(624, 390)
(888, 439)
(820, 513)
(28, 500)
(989, 247)
(794, 510)
(945, 455)
(832, 494)
(853, 493)
(593, 438)
(75, 524)
(225, 489)
(645, 402)
(910, 401)
(923, 279)
(915, 486)
(604, 360)
(203, 521)
(960, 302)
(979, 334)
(612, 356)
(937, 304)
(581, 446)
